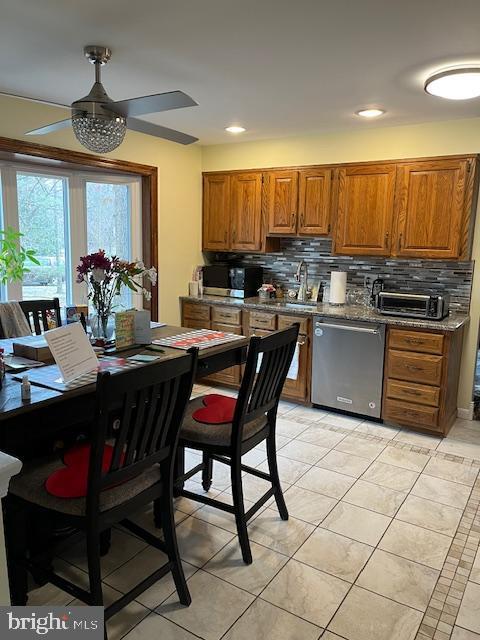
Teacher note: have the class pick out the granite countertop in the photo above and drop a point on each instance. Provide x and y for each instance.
(346, 312)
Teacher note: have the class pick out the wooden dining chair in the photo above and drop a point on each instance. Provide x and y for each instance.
(36, 313)
(254, 420)
(134, 439)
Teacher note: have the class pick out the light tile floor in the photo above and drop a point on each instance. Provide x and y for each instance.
(382, 543)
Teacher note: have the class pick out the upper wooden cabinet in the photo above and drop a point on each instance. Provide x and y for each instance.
(216, 212)
(430, 209)
(314, 201)
(419, 208)
(298, 202)
(366, 196)
(281, 198)
(245, 212)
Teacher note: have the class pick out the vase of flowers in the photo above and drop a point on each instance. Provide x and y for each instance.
(106, 276)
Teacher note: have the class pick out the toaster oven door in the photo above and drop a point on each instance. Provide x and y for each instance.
(410, 306)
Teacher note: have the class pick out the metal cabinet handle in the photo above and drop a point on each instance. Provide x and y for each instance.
(387, 238)
(412, 392)
(414, 340)
(343, 327)
(225, 236)
(302, 220)
(400, 242)
(234, 235)
(412, 367)
(294, 217)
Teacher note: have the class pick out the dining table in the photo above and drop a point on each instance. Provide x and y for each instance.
(30, 429)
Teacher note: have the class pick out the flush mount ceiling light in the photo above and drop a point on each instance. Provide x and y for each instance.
(370, 113)
(455, 84)
(235, 129)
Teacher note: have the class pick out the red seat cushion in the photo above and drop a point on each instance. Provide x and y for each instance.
(71, 480)
(218, 409)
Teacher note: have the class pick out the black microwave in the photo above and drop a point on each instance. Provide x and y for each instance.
(236, 282)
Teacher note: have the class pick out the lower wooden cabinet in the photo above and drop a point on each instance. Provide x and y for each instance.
(260, 323)
(421, 378)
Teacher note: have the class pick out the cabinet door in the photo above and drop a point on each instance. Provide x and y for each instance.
(216, 212)
(281, 189)
(430, 208)
(314, 202)
(296, 383)
(232, 375)
(365, 210)
(246, 211)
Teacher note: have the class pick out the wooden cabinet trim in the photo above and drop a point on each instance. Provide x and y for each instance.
(281, 205)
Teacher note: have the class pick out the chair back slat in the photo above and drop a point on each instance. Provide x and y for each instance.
(263, 380)
(139, 413)
(36, 313)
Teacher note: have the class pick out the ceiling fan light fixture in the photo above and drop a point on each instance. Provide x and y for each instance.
(100, 134)
(461, 83)
(370, 113)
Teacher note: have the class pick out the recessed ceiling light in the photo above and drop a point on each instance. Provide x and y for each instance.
(455, 84)
(235, 129)
(370, 113)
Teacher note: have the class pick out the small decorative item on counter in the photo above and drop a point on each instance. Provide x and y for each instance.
(195, 286)
(2, 367)
(316, 292)
(292, 294)
(279, 293)
(326, 293)
(26, 388)
(266, 291)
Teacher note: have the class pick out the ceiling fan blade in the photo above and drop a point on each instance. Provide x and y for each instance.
(37, 100)
(159, 131)
(152, 104)
(50, 128)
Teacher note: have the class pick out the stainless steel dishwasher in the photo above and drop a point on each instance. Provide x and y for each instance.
(347, 369)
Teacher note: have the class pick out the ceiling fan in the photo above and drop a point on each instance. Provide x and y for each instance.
(100, 123)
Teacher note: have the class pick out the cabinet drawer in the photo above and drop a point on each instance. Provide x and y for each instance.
(218, 326)
(286, 321)
(415, 367)
(415, 415)
(193, 323)
(226, 315)
(412, 392)
(263, 320)
(196, 311)
(416, 341)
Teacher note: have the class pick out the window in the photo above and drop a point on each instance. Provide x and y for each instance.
(42, 216)
(64, 215)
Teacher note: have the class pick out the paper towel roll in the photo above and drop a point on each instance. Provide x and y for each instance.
(338, 287)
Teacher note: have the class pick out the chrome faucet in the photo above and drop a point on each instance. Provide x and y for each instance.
(302, 277)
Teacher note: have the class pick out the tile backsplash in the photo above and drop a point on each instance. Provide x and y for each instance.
(431, 276)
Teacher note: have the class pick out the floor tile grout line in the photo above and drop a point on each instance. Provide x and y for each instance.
(432, 598)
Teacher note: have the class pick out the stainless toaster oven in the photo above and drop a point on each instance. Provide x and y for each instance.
(413, 305)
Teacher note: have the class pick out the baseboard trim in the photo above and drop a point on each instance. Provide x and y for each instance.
(465, 414)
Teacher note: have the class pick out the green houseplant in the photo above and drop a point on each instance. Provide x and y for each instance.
(13, 256)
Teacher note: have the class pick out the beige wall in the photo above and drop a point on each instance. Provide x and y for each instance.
(179, 173)
(429, 139)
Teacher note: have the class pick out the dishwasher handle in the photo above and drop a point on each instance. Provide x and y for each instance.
(344, 327)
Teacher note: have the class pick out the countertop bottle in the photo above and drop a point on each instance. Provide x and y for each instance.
(26, 388)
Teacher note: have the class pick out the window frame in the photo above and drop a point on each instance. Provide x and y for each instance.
(42, 155)
(75, 210)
